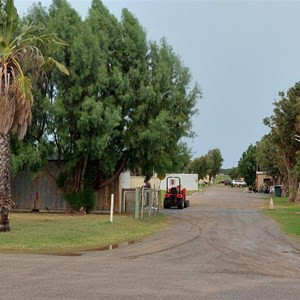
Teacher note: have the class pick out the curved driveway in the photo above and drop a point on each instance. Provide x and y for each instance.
(221, 247)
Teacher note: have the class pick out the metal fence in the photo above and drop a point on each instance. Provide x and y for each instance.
(43, 194)
(141, 201)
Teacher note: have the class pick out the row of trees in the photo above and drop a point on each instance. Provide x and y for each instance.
(278, 152)
(126, 103)
(206, 165)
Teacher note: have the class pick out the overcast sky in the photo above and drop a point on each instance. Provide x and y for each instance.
(242, 53)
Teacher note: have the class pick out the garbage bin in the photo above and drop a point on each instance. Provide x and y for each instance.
(277, 190)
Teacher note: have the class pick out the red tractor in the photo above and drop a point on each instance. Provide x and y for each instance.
(175, 196)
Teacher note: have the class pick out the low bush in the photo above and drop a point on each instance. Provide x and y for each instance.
(82, 199)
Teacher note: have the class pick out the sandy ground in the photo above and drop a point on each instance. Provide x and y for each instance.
(221, 247)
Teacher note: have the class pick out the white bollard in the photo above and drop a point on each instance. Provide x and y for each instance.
(111, 207)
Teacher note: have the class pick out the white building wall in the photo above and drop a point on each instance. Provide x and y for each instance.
(139, 181)
(188, 181)
(124, 180)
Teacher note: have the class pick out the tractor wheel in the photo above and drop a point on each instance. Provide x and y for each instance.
(186, 203)
(180, 203)
(166, 204)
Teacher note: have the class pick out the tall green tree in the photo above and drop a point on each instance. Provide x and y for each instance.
(284, 125)
(86, 116)
(20, 55)
(234, 173)
(126, 103)
(165, 110)
(215, 161)
(200, 166)
(247, 165)
(267, 157)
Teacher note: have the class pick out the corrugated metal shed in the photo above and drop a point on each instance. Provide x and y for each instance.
(42, 193)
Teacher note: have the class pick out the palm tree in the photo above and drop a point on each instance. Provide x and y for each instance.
(20, 54)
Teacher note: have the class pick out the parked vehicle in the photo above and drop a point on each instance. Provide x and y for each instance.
(175, 195)
(238, 182)
(227, 182)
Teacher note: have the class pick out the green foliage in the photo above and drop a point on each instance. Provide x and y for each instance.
(200, 166)
(82, 199)
(267, 156)
(215, 161)
(209, 164)
(247, 165)
(62, 180)
(234, 173)
(284, 125)
(73, 199)
(37, 45)
(88, 199)
(126, 104)
(296, 168)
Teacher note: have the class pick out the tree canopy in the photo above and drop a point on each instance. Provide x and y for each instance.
(127, 103)
(215, 161)
(247, 165)
(199, 166)
(207, 165)
(284, 125)
(267, 157)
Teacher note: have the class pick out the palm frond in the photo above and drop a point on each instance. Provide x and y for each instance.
(52, 37)
(11, 16)
(11, 11)
(21, 53)
(52, 63)
(24, 88)
(7, 107)
(23, 99)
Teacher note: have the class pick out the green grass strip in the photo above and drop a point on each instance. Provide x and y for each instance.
(286, 213)
(43, 233)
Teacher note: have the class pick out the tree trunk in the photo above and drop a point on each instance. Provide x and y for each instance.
(285, 185)
(297, 200)
(5, 189)
(293, 187)
(116, 174)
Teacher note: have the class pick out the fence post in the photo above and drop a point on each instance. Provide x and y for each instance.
(159, 199)
(111, 207)
(142, 204)
(149, 202)
(137, 203)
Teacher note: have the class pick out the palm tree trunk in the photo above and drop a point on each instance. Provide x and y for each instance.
(5, 191)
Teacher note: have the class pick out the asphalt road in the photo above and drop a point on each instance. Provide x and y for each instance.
(221, 247)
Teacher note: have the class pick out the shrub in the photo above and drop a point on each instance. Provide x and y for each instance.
(73, 199)
(84, 198)
(88, 199)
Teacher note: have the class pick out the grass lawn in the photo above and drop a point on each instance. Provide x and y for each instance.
(63, 233)
(286, 213)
